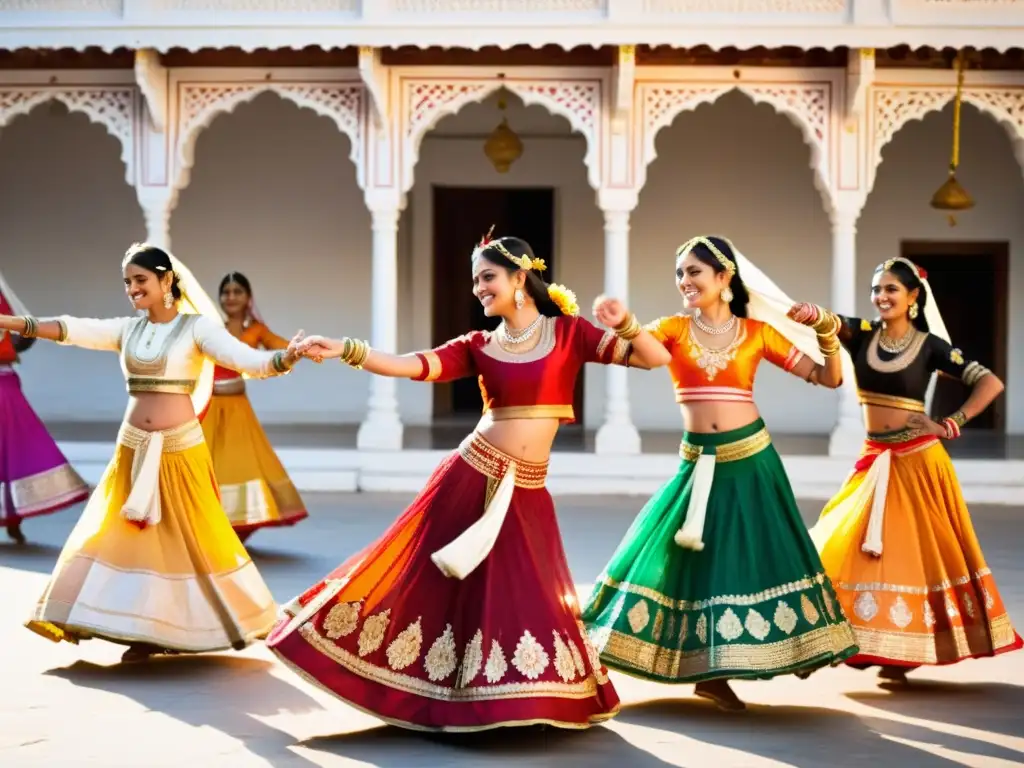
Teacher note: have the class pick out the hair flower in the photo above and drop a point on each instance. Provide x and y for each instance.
(922, 274)
(538, 265)
(564, 299)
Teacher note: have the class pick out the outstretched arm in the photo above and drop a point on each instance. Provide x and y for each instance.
(645, 351)
(217, 343)
(448, 362)
(88, 333)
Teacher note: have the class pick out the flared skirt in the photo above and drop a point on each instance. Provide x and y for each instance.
(753, 603)
(391, 634)
(928, 596)
(255, 489)
(35, 477)
(184, 584)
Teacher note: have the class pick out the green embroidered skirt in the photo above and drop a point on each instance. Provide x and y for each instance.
(753, 603)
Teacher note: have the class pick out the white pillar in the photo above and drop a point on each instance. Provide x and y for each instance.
(381, 430)
(848, 434)
(617, 435)
(157, 204)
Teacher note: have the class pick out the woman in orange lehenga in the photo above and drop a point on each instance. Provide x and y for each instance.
(254, 488)
(463, 615)
(897, 540)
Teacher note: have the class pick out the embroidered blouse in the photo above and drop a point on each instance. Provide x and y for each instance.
(538, 384)
(256, 335)
(168, 357)
(901, 380)
(11, 345)
(702, 374)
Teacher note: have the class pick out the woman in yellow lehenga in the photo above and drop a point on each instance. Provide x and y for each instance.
(254, 488)
(153, 562)
(897, 540)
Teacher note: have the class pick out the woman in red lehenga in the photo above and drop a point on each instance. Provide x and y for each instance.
(463, 615)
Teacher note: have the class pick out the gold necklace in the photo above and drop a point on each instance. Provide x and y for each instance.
(711, 360)
(896, 346)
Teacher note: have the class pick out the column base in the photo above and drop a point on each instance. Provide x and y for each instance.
(617, 440)
(380, 432)
(847, 438)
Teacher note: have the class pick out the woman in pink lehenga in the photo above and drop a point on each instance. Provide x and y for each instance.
(35, 478)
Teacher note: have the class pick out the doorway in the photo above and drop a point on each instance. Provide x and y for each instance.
(976, 318)
(462, 215)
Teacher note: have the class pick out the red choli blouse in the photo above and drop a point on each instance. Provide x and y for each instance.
(703, 374)
(538, 384)
(7, 352)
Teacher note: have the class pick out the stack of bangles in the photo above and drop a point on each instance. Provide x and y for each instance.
(826, 326)
(354, 352)
(31, 327)
(952, 424)
(629, 328)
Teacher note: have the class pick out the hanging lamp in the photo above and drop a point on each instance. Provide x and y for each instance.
(503, 147)
(951, 196)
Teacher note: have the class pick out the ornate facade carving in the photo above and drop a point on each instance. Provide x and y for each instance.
(427, 100)
(806, 104)
(63, 6)
(492, 6)
(744, 6)
(200, 103)
(114, 107)
(255, 6)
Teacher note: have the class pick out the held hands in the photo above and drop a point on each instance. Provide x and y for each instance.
(926, 425)
(805, 314)
(320, 348)
(292, 353)
(611, 313)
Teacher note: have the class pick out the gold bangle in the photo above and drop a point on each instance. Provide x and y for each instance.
(959, 417)
(629, 328)
(827, 324)
(354, 352)
(31, 326)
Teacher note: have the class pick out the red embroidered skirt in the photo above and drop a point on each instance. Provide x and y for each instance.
(390, 634)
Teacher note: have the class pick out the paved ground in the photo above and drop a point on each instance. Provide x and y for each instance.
(64, 707)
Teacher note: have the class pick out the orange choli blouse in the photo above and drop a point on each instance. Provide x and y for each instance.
(538, 384)
(256, 335)
(700, 374)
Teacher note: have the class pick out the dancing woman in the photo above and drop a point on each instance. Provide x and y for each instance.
(463, 615)
(255, 490)
(153, 562)
(897, 539)
(35, 478)
(717, 577)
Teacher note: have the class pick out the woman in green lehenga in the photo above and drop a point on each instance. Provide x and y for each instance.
(717, 578)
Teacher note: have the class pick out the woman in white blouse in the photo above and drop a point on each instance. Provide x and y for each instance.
(153, 563)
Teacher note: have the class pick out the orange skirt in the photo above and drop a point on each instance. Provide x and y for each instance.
(908, 570)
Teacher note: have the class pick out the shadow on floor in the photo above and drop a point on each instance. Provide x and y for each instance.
(177, 686)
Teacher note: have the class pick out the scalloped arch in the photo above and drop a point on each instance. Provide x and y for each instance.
(113, 108)
(924, 101)
(343, 104)
(546, 93)
(689, 96)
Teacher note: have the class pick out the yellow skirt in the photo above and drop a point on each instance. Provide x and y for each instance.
(254, 488)
(185, 583)
(909, 571)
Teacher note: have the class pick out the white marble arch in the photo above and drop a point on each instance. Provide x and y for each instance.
(1000, 95)
(200, 96)
(427, 95)
(809, 98)
(109, 98)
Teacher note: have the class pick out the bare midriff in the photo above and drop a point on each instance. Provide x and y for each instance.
(878, 418)
(717, 417)
(524, 439)
(155, 411)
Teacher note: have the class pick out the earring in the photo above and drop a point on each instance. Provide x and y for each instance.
(168, 300)
(520, 299)
(913, 311)
(726, 294)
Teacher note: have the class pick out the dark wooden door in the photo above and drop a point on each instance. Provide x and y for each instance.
(462, 215)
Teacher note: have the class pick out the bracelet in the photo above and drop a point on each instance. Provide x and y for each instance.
(31, 326)
(951, 427)
(629, 328)
(827, 324)
(280, 362)
(354, 352)
(829, 345)
(960, 418)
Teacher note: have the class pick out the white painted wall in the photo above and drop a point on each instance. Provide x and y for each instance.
(273, 194)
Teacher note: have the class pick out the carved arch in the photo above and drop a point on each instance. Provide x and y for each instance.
(201, 103)
(893, 108)
(807, 105)
(426, 101)
(113, 107)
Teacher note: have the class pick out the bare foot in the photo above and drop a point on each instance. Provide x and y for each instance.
(139, 652)
(14, 531)
(893, 674)
(720, 692)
